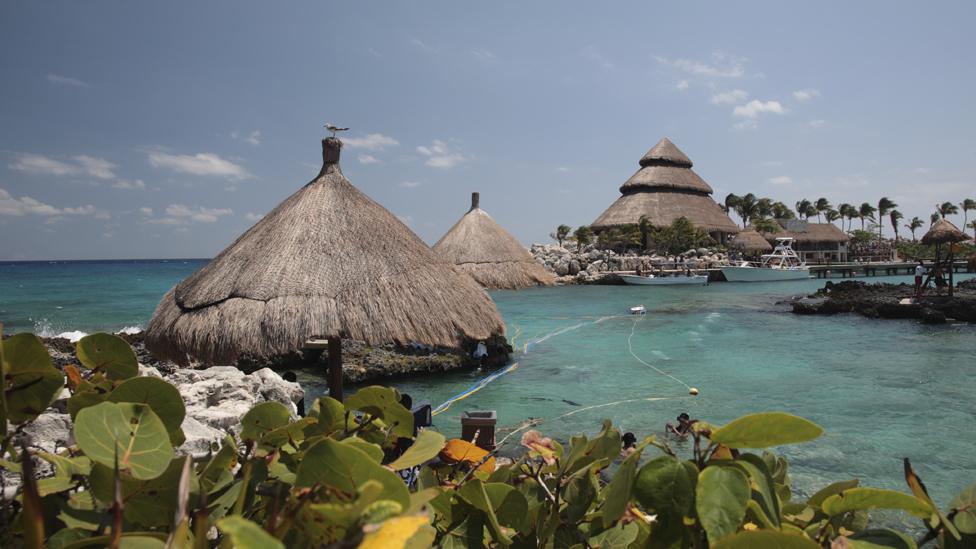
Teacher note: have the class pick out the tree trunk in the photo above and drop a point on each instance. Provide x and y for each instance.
(335, 368)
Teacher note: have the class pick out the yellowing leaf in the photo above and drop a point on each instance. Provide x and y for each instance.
(462, 451)
(401, 533)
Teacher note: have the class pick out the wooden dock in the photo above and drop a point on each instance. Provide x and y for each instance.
(893, 268)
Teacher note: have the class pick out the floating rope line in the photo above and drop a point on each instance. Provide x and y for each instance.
(474, 388)
(630, 347)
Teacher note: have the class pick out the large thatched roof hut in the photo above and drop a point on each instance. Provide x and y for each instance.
(664, 189)
(750, 241)
(944, 231)
(328, 262)
(486, 251)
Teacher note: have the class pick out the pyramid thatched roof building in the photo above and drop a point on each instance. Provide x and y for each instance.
(328, 262)
(944, 231)
(664, 189)
(486, 251)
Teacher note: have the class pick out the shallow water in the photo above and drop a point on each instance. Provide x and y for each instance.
(882, 389)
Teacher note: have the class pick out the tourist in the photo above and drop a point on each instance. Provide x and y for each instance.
(629, 445)
(919, 274)
(940, 281)
(684, 425)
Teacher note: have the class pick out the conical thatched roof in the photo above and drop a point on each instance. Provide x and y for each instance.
(486, 251)
(326, 262)
(943, 231)
(664, 189)
(751, 241)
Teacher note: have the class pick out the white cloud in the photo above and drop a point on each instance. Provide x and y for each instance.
(25, 205)
(370, 142)
(145, 210)
(440, 155)
(483, 55)
(781, 180)
(207, 164)
(818, 123)
(682, 85)
(95, 167)
(368, 159)
(722, 65)
(747, 124)
(563, 169)
(755, 107)
(180, 214)
(806, 95)
(733, 97)
(410, 184)
(137, 184)
(80, 165)
(426, 47)
(253, 138)
(251, 216)
(591, 53)
(65, 80)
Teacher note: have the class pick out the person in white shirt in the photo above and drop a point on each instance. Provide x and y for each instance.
(919, 274)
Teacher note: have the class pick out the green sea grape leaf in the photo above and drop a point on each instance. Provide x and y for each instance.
(762, 484)
(345, 467)
(130, 540)
(473, 492)
(426, 447)
(245, 534)
(384, 403)
(875, 498)
(618, 537)
(965, 506)
(109, 354)
(721, 498)
(765, 538)
(148, 503)
(372, 450)
(82, 399)
(667, 486)
(292, 432)
(162, 397)
(816, 500)
(263, 418)
(766, 429)
(66, 536)
(617, 493)
(510, 506)
(331, 416)
(216, 473)
(31, 382)
(880, 538)
(132, 432)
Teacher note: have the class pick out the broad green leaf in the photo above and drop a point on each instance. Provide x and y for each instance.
(617, 537)
(217, 471)
(162, 397)
(245, 534)
(66, 536)
(130, 540)
(65, 471)
(148, 503)
(331, 416)
(293, 432)
(879, 539)
(816, 500)
(721, 498)
(765, 538)
(426, 447)
(617, 493)
(383, 403)
(766, 429)
(509, 504)
(132, 432)
(474, 493)
(109, 354)
(85, 398)
(762, 484)
(875, 498)
(345, 467)
(374, 452)
(666, 485)
(412, 532)
(263, 418)
(31, 382)
(965, 506)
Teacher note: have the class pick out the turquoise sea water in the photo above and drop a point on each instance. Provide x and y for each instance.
(882, 389)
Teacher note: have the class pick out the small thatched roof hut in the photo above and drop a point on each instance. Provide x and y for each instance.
(328, 262)
(664, 189)
(486, 251)
(750, 241)
(944, 231)
(805, 232)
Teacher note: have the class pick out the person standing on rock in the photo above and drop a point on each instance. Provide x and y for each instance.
(919, 274)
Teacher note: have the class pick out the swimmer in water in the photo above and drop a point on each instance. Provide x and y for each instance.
(684, 425)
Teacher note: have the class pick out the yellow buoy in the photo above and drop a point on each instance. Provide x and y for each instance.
(693, 391)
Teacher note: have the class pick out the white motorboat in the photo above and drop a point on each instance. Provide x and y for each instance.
(781, 264)
(638, 310)
(651, 280)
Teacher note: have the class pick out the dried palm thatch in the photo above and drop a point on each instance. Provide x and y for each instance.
(750, 241)
(486, 251)
(327, 262)
(664, 189)
(942, 232)
(811, 233)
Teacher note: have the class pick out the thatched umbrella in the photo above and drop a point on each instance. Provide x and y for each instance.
(328, 262)
(943, 232)
(750, 241)
(486, 251)
(664, 189)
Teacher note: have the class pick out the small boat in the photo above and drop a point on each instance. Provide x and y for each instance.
(638, 310)
(651, 280)
(781, 264)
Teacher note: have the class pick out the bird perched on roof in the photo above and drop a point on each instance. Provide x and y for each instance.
(333, 128)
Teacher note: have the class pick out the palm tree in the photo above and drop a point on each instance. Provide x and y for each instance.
(764, 207)
(561, 233)
(644, 226)
(866, 211)
(765, 225)
(946, 209)
(583, 236)
(972, 225)
(933, 218)
(966, 205)
(914, 225)
(848, 211)
(782, 211)
(821, 206)
(802, 207)
(885, 205)
(832, 215)
(731, 201)
(747, 207)
(894, 216)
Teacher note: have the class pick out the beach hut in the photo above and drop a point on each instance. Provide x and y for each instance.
(482, 248)
(327, 263)
(664, 189)
(750, 242)
(943, 232)
(813, 242)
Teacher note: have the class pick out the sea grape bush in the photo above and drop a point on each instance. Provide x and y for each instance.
(330, 479)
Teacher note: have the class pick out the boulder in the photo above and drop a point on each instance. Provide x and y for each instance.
(594, 268)
(932, 316)
(574, 267)
(562, 268)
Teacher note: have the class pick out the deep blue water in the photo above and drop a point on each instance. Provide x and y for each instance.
(883, 390)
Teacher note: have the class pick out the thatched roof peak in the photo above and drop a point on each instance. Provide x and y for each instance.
(944, 231)
(751, 241)
(485, 250)
(327, 262)
(665, 153)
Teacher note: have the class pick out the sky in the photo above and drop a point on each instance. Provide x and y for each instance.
(166, 129)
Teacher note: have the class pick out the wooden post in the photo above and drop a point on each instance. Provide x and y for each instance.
(335, 368)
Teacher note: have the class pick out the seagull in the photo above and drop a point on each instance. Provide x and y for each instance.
(333, 128)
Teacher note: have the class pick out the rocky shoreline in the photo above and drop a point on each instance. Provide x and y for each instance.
(893, 301)
(593, 266)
